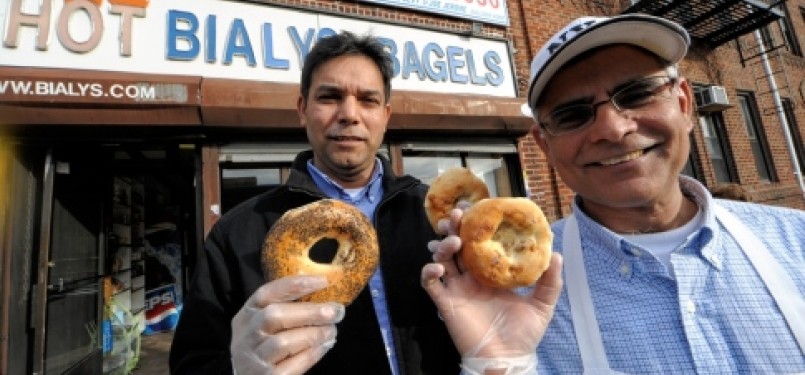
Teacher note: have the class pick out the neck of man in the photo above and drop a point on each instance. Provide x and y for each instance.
(656, 217)
(347, 178)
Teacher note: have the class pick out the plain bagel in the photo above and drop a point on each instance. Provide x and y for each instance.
(286, 249)
(450, 187)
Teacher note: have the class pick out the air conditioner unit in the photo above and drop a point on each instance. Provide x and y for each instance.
(711, 99)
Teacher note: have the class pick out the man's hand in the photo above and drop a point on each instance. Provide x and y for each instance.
(272, 334)
(488, 322)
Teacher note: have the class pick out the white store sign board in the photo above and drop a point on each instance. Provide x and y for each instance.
(488, 11)
(234, 40)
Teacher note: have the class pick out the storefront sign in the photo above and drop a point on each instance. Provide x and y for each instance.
(223, 39)
(489, 11)
(22, 89)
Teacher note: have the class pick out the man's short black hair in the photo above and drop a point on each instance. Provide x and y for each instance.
(347, 43)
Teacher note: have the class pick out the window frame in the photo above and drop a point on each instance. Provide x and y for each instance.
(725, 170)
(764, 161)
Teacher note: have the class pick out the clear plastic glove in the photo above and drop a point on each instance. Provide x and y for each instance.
(272, 334)
(487, 322)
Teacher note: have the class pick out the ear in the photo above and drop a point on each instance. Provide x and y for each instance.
(301, 104)
(685, 99)
(387, 114)
(539, 138)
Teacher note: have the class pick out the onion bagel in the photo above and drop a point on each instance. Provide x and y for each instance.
(286, 249)
(506, 242)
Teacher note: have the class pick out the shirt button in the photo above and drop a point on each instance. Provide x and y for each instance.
(375, 293)
(690, 306)
(634, 251)
(625, 269)
(715, 260)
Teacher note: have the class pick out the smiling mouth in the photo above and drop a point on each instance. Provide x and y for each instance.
(345, 138)
(622, 159)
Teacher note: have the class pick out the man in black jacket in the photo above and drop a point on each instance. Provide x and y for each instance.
(233, 321)
(344, 108)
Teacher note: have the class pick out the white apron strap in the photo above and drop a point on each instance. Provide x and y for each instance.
(780, 285)
(585, 324)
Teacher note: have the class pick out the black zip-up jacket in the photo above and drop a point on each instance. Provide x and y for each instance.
(230, 271)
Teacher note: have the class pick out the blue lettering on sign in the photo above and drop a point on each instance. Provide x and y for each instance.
(302, 44)
(474, 78)
(455, 63)
(412, 64)
(238, 43)
(269, 61)
(326, 31)
(391, 48)
(176, 18)
(210, 42)
(431, 62)
(437, 70)
(492, 62)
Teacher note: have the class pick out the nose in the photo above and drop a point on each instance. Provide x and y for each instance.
(348, 110)
(610, 123)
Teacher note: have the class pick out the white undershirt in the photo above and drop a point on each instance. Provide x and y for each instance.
(353, 193)
(662, 244)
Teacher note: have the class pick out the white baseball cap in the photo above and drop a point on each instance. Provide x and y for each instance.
(666, 39)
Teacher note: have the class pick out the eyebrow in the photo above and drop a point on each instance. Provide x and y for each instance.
(328, 88)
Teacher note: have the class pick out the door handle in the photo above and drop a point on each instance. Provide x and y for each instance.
(57, 288)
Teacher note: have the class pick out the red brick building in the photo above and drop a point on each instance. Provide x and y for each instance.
(744, 142)
(127, 121)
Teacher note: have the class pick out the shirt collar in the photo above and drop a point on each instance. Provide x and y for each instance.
(333, 189)
(701, 239)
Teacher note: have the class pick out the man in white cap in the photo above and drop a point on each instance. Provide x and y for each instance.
(660, 278)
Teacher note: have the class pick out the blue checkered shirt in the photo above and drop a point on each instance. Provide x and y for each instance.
(715, 317)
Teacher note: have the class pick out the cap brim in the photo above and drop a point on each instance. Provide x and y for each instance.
(664, 38)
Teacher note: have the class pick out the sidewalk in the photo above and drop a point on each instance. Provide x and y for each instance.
(154, 351)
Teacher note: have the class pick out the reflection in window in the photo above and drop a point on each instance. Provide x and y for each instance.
(493, 171)
(492, 168)
(426, 166)
(716, 145)
(239, 183)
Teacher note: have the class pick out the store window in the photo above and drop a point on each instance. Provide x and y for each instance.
(240, 182)
(497, 165)
(247, 170)
(251, 169)
(757, 138)
(717, 145)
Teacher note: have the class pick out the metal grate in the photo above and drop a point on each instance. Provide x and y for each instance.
(713, 22)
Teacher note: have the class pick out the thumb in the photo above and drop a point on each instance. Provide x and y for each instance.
(549, 286)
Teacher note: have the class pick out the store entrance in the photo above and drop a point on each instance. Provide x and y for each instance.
(118, 232)
(72, 301)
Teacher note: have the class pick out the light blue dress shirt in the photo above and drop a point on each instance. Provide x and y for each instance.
(715, 317)
(367, 201)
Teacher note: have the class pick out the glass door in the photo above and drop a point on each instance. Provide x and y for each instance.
(67, 339)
